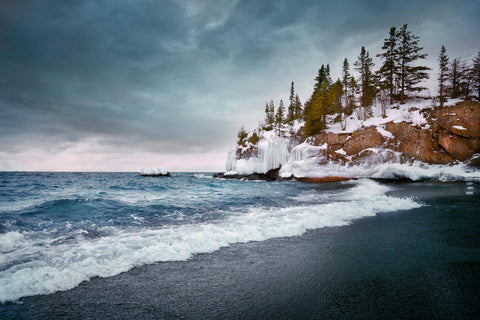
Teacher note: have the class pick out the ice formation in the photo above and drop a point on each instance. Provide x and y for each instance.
(272, 154)
(153, 171)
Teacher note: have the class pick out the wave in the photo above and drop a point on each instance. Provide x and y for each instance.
(60, 206)
(34, 263)
(416, 171)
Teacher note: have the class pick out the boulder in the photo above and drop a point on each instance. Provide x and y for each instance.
(456, 146)
(374, 156)
(362, 139)
(462, 119)
(417, 143)
(335, 141)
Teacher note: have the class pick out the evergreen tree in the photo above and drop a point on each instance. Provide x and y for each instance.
(389, 68)
(291, 106)
(476, 75)
(346, 84)
(318, 106)
(465, 79)
(354, 90)
(279, 119)
(442, 77)
(242, 134)
(269, 115)
(320, 78)
(454, 78)
(364, 66)
(409, 52)
(327, 75)
(336, 93)
(298, 107)
(266, 126)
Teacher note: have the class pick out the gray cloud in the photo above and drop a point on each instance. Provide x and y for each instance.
(182, 76)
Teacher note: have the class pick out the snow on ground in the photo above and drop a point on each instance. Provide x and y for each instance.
(396, 113)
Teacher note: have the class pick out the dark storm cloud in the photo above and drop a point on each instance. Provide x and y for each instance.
(176, 76)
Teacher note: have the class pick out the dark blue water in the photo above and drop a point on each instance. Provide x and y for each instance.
(120, 246)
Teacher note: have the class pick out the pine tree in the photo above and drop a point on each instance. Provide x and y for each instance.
(298, 107)
(346, 84)
(409, 53)
(389, 68)
(242, 134)
(364, 66)
(270, 115)
(318, 106)
(267, 118)
(336, 93)
(465, 79)
(327, 75)
(291, 106)
(454, 78)
(320, 78)
(279, 119)
(476, 75)
(354, 90)
(442, 77)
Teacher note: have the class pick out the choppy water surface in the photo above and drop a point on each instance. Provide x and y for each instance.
(197, 247)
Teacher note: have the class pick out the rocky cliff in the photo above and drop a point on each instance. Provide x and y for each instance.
(412, 135)
(449, 135)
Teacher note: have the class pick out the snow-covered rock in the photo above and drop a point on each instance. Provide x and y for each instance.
(154, 172)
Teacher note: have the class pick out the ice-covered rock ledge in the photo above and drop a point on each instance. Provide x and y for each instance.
(154, 172)
(434, 144)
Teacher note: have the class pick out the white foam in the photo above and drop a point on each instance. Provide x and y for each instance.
(153, 171)
(382, 163)
(36, 263)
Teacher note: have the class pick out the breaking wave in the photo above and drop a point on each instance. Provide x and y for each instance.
(42, 262)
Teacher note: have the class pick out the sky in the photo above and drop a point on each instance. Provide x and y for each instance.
(123, 85)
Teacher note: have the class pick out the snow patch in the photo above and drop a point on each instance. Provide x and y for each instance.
(459, 127)
(385, 133)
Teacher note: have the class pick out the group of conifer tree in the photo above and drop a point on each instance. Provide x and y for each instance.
(280, 118)
(397, 80)
(458, 79)
(398, 77)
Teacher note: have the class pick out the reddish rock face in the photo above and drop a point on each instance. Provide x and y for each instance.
(457, 146)
(363, 139)
(418, 144)
(462, 119)
(454, 134)
(335, 141)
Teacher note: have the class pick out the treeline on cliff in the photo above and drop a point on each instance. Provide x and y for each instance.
(398, 79)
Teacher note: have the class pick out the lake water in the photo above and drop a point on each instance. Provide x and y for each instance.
(122, 246)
